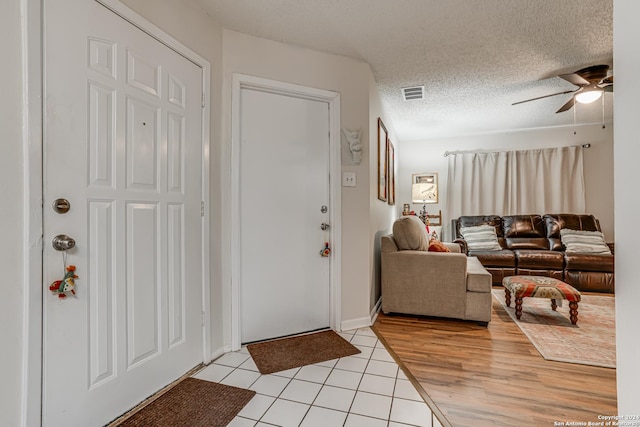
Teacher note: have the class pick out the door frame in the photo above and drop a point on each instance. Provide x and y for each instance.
(243, 81)
(32, 23)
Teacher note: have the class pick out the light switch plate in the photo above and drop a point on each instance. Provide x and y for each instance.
(348, 179)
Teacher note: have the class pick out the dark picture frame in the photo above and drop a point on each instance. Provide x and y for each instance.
(382, 160)
(391, 173)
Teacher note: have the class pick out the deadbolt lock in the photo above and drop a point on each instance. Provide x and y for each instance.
(61, 206)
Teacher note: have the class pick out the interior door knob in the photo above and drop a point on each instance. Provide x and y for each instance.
(62, 242)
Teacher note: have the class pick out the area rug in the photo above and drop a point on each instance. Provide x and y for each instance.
(293, 352)
(192, 402)
(592, 341)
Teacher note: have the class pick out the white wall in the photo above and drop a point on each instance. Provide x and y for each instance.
(259, 57)
(190, 25)
(11, 216)
(627, 202)
(427, 156)
(382, 214)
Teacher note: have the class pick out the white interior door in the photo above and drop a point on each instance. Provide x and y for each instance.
(284, 184)
(123, 144)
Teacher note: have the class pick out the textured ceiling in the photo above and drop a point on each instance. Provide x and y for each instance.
(474, 57)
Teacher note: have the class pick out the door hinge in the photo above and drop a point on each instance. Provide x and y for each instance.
(203, 102)
(202, 208)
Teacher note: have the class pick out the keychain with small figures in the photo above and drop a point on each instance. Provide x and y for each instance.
(68, 283)
(326, 251)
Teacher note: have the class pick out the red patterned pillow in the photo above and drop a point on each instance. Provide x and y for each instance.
(436, 245)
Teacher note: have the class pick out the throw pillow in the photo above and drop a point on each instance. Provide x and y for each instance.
(436, 245)
(410, 234)
(585, 242)
(481, 238)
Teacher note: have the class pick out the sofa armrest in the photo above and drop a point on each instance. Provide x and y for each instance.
(453, 247)
(478, 278)
(464, 248)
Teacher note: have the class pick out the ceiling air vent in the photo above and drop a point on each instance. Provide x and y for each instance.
(412, 93)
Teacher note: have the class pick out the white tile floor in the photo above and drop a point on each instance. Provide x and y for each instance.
(364, 390)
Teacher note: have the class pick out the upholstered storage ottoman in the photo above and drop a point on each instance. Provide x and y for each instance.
(541, 287)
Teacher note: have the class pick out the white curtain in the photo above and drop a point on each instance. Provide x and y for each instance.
(516, 182)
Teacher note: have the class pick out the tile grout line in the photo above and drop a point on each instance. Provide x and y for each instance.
(441, 418)
(324, 384)
(277, 397)
(360, 383)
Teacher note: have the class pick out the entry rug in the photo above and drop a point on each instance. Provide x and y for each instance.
(192, 402)
(293, 352)
(591, 342)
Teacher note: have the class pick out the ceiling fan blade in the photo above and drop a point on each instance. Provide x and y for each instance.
(594, 72)
(575, 79)
(607, 80)
(545, 96)
(570, 103)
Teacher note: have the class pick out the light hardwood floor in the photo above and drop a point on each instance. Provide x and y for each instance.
(494, 376)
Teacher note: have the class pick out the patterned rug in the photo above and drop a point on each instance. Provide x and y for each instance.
(192, 402)
(287, 353)
(591, 342)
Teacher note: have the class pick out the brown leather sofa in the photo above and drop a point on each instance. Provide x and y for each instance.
(531, 245)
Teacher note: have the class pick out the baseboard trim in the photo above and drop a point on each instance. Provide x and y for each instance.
(376, 310)
(362, 322)
(219, 352)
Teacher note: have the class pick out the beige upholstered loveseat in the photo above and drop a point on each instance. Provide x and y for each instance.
(441, 284)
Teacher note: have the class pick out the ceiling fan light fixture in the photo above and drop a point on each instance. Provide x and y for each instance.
(589, 96)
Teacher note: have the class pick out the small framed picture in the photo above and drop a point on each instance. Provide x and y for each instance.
(424, 187)
(382, 161)
(391, 173)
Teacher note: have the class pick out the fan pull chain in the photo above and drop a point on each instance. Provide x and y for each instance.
(575, 107)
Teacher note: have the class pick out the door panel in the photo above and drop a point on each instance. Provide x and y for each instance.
(123, 143)
(284, 182)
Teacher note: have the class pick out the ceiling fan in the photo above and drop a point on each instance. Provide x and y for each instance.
(592, 82)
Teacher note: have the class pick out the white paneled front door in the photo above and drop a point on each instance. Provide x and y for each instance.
(123, 144)
(284, 154)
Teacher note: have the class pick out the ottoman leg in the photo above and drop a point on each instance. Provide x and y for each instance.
(507, 297)
(518, 307)
(573, 312)
(553, 304)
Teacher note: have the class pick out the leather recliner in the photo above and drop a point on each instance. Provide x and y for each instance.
(531, 245)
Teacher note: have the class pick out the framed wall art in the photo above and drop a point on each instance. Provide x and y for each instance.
(424, 187)
(382, 161)
(391, 173)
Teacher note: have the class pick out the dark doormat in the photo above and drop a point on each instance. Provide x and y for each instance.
(293, 352)
(192, 402)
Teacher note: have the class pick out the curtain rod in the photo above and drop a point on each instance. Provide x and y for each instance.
(446, 153)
